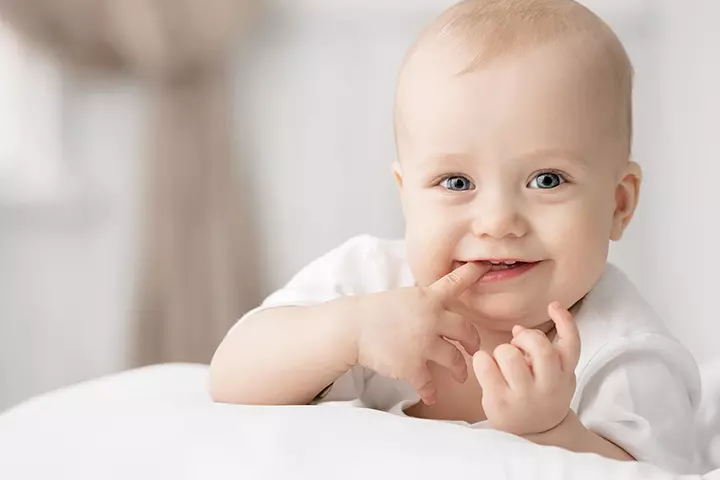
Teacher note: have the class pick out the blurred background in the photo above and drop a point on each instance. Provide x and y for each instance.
(124, 239)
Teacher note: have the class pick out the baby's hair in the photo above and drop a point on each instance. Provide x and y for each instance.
(489, 29)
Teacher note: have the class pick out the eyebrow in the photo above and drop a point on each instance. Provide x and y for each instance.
(446, 157)
(546, 153)
(536, 154)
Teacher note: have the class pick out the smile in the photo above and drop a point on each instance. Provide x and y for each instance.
(504, 264)
(505, 269)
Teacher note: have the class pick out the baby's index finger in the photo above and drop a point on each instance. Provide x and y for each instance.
(568, 335)
(453, 284)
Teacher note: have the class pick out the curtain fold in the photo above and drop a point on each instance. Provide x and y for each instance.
(196, 250)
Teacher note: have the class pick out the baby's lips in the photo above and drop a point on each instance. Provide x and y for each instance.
(486, 266)
(481, 263)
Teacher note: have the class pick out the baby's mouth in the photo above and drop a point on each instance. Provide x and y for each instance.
(496, 265)
(505, 265)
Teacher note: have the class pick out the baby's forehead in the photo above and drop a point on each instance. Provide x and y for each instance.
(559, 68)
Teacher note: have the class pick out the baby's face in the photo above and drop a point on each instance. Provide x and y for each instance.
(519, 161)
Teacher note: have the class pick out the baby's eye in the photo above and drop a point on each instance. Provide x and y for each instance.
(546, 181)
(457, 183)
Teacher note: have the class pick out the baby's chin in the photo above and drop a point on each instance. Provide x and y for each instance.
(501, 312)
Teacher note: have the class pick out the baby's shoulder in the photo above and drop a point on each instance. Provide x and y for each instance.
(616, 322)
(364, 264)
(615, 309)
(367, 247)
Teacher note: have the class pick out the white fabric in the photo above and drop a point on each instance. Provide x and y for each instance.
(708, 420)
(637, 386)
(159, 423)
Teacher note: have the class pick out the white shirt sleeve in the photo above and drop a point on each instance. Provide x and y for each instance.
(641, 393)
(360, 266)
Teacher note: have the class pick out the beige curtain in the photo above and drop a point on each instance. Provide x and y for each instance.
(196, 272)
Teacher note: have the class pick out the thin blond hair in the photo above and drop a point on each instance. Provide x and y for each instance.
(489, 29)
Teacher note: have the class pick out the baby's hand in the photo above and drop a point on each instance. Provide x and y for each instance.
(401, 330)
(528, 384)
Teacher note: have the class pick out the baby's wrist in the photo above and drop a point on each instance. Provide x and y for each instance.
(343, 327)
(569, 427)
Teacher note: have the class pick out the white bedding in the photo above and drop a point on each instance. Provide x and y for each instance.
(709, 415)
(158, 423)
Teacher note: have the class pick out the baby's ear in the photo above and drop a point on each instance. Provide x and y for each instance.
(627, 195)
(397, 173)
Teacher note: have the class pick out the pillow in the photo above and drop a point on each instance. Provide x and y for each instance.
(158, 422)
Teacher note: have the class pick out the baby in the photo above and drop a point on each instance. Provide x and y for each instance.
(513, 128)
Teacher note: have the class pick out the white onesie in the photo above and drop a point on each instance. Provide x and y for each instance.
(636, 385)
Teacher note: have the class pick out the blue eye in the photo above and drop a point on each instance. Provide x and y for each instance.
(457, 183)
(546, 181)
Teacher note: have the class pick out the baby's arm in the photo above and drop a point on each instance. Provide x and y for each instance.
(636, 404)
(285, 355)
(572, 435)
(641, 395)
(528, 386)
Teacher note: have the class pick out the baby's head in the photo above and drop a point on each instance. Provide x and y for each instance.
(513, 126)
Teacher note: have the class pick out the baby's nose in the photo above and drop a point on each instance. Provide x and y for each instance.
(499, 219)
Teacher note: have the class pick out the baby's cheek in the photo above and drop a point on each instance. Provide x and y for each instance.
(429, 253)
(580, 254)
(572, 227)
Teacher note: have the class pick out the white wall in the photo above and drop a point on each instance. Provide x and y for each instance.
(680, 230)
(65, 267)
(314, 95)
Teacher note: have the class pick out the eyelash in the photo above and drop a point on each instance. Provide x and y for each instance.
(551, 170)
(566, 178)
(447, 176)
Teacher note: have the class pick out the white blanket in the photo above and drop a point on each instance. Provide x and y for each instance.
(158, 423)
